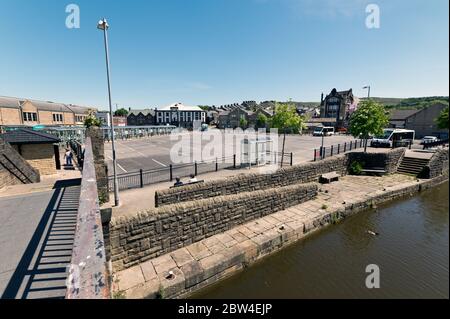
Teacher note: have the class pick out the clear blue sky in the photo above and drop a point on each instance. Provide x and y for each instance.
(222, 51)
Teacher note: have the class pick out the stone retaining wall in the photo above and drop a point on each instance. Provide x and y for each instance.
(389, 160)
(252, 182)
(303, 173)
(438, 165)
(155, 232)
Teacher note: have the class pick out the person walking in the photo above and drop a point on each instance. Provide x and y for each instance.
(68, 157)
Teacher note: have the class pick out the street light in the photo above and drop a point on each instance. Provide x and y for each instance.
(367, 87)
(104, 26)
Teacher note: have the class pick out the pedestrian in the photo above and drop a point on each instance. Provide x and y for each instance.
(193, 179)
(178, 182)
(68, 157)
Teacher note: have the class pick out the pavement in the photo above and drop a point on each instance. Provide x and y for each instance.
(209, 254)
(37, 227)
(154, 152)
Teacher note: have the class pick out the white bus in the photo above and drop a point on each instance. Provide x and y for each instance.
(323, 131)
(394, 137)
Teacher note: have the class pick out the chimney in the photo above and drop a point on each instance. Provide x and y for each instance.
(321, 98)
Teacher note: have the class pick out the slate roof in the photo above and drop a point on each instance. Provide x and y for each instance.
(27, 136)
(144, 112)
(401, 114)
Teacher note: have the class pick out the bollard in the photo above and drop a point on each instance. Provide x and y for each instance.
(170, 172)
(332, 149)
(292, 158)
(339, 149)
(234, 160)
(345, 147)
(195, 168)
(315, 154)
(217, 165)
(141, 178)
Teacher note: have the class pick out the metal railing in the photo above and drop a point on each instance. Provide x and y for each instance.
(328, 151)
(428, 145)
(88, 272)
(140, 178)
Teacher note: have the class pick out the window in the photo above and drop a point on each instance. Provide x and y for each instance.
(197, 116)
(29, 117)
(57, 117)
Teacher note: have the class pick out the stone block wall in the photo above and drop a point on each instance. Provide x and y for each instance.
(101, 169)
(252, 182)
(41, 157)
(438, 165)
(389, 161)
(20, 172)
(155, 232)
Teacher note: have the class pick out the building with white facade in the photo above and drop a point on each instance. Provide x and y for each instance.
(180, 115)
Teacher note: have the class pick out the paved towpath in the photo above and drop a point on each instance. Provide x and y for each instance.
(211, 253)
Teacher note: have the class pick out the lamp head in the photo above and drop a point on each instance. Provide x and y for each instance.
(103, 25)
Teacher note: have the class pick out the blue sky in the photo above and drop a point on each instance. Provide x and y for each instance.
(222, 51)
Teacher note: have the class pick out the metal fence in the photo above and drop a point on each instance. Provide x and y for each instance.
(327, 151)
(140, 178)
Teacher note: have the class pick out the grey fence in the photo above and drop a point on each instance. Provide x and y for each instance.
(140, 178)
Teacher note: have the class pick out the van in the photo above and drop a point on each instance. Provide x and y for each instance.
(323, 131)
(394, 137)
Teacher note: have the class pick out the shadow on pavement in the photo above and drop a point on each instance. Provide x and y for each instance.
(42, 270)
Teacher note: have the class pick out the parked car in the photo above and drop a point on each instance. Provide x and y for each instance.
(429, 139)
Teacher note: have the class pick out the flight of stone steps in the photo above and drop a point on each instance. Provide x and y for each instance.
(412, 165)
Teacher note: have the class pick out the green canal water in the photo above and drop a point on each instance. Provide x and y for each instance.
(411, 250)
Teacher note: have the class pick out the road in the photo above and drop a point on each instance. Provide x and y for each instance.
(154, 152)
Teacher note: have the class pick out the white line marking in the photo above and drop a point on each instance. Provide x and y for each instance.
(157, 162)
(123, 169)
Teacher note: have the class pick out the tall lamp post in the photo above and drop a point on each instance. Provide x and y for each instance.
(103, 25)
(367, 87)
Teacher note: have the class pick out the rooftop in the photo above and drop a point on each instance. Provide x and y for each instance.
(28, 136)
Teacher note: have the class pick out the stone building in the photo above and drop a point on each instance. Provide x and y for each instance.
(39, 149)
(180, 115)
(143, 117)
(339, 106)
(422, 121)
(26, 112)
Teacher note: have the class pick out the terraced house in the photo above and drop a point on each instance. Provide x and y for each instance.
(27, 112)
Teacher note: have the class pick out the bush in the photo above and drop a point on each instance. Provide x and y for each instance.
(356, 168)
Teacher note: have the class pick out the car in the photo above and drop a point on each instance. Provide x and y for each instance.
(323, 131)
(429, 139)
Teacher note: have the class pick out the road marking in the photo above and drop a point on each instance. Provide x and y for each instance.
(123, 169)
(157, 162)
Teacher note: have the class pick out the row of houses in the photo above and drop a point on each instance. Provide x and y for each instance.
(176, 114)
(27, 112)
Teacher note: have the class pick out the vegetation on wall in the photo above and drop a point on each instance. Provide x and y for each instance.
(442, 120)
(121, 112)
(92, 120)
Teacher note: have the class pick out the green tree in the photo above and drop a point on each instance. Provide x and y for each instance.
(442, 120)
(243, 123)
(369, 118)
(261, 121)
(121, 112)
(285, 118)
(92, 120)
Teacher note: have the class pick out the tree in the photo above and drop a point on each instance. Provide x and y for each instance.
(442, 120)
(261, 121)
(243, 123)
(369, 118)
(285, 118)
(121, 112)
(92, 120)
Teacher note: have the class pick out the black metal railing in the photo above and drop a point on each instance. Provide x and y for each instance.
(140, 178)
(77, 149)
(427, 145)
(328, 151)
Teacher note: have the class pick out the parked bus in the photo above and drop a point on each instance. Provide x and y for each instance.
(324, 131)
(394, 137)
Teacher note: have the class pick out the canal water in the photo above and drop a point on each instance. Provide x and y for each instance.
(411, 251)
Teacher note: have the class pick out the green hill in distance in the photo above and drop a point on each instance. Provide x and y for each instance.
(414, 103)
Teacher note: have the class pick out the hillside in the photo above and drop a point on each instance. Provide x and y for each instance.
(416, 103)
